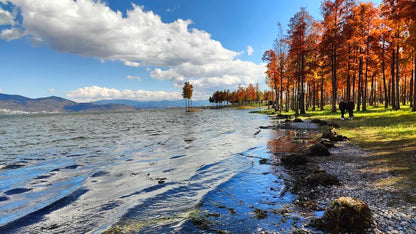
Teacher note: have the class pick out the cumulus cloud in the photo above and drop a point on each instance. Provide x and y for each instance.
(96, 93)
(214, 75)
(250, 50)
(134, 78)
(11, 34)
(91, 28)
(173, 50)
(6, 17)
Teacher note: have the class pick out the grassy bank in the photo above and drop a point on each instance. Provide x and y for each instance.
(389, 137)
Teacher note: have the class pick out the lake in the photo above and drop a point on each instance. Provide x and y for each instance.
(85, 172)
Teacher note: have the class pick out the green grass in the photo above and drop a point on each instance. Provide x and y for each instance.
(389, 137)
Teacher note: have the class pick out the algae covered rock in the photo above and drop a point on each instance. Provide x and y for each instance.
(346, 214)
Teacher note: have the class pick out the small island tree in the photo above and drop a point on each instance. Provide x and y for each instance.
(187, 94)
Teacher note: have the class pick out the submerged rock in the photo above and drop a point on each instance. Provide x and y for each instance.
(345, 214)
(318, 150)
(293, 159)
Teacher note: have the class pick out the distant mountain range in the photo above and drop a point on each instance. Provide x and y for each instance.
(15, 104)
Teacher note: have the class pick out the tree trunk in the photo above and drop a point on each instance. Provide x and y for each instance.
(314, 95)
(411, 88)
(360, 81)
(383, 67)
(349, 76)
(372, 91)
(302, 86)
(397, 78)
(322, 93)
(334, 79)
(365, 88)
(404, 93)
(414, 85)
(393, 88)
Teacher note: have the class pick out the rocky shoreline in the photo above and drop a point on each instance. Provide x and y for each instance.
(357, 178)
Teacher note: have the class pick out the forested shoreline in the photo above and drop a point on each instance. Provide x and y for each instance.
(359, 52)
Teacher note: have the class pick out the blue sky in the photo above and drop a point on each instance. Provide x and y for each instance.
(89, 50)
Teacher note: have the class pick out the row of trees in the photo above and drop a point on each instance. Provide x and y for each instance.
(359, 52)
(241, 96)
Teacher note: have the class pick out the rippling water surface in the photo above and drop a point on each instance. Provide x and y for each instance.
(85, 172)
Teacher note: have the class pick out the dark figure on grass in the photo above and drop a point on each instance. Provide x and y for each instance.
(350, 109)
(342, 107)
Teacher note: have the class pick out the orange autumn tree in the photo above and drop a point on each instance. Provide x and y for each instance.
(272, 73)
(299, 30)
(187, 91)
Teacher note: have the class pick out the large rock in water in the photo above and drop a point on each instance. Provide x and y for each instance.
(346, 214)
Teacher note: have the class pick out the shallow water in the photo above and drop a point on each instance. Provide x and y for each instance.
(85, 172)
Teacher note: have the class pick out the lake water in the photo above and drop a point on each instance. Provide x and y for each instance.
(148, 171)
(85, 172)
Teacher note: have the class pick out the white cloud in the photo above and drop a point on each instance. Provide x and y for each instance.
(95, 93)
(131, 64)
(174, 51)
(6, 17)
(134, 78)
(214, 75)
(91, 28)
(250, 50)
(11, 34)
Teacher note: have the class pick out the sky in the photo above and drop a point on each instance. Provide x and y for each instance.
(142, 50)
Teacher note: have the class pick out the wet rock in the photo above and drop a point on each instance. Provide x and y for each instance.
(263, 161)
(293, 159)
(327, 143)
(297, 120)
(321, 178)
(317, 150)
(333, 136)
(345, 214)
(260, 214)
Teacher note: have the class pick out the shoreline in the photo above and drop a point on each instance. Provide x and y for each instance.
(358, 178)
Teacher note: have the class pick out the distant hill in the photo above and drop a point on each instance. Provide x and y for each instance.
(154, 104)
(20, 104)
